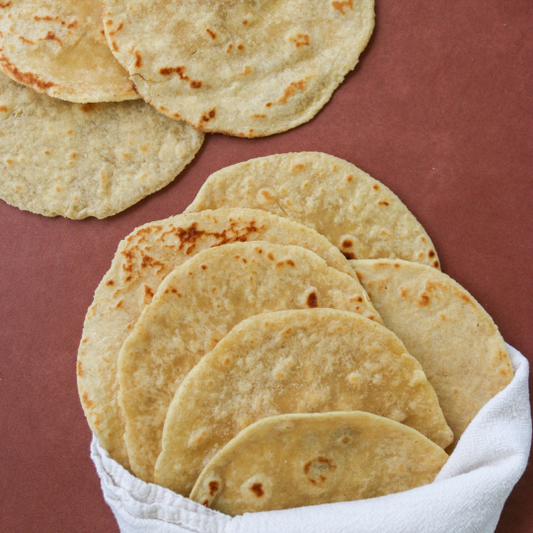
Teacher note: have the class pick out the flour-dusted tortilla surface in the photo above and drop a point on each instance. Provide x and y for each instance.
(298, 361)
(249, 67)
(58, 47)
(357, 213)
(144, 258)
(81, 160)
(196, 306)
(296, 460)
(446, 329)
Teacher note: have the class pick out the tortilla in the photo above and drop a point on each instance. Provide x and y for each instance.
(304, 361)
(357, 213)
(143, 260)
(74, 160)
(196, 306)
(441, 324)
(58, 47)
(297, 460)
(242, 68)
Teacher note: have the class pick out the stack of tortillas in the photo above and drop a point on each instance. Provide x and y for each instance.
(243, 68)
(236, 356)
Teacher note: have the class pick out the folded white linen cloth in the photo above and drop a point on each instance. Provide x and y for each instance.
(467, 495)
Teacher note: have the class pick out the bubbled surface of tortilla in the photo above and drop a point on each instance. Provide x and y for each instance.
(297, 460)
(82, 160)
(143, 259)
(248, 68)
(196, 306)
(446, 329)
(357, 213)
(299, 361)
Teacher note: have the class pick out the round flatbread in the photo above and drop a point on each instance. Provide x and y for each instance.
(290, 461)
(196, 306)
(81, 160)
(246, 68)
(305, 361)
(441, 324)
(144, 258)
(58, 47)
(357, 213)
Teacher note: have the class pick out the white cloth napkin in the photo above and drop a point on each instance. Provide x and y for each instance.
(467, 495)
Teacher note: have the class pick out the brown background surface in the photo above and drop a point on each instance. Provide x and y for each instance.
(440, 109)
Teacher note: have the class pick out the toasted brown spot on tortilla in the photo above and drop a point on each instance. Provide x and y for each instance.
(257, 489)
(431, 253)
(73, 24)
(349, 255)
(424, 299)
(291, 89)
(86, 401)
(151, 262)
(244, 22)
(204, 267)
(206, 503)
(79, 370)
(383, 202)
(87, 108)
(3, 108)
(208, 116)
(148, 291)
(5, 5)
(51, 36)
(258, 116)
(436, 264)
(347, 243)
(213, 487)
(376, 186)
(27, 78)
(24, 40)
(339, 6)
(300, 40)
(228, 49)
(321, 466)
(212, 34)
(167, 71)
(240, 47)
(349, 178)
(195, 84)
(110, 282)
(268, 104)
(138, 59)
(312, 299)
(290, 262)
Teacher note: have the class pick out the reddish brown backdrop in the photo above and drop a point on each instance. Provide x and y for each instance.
(440, 109)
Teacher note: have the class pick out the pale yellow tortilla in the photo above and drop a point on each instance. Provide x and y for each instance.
(196, 306)
(293, 460)
(300, 361)
(58, 47)
(357, 213)
(246, 68)
(441, 324)
(82, 160)
(144, 258)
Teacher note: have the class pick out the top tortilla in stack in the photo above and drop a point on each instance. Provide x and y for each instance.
(247, 68)
(58, 47)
